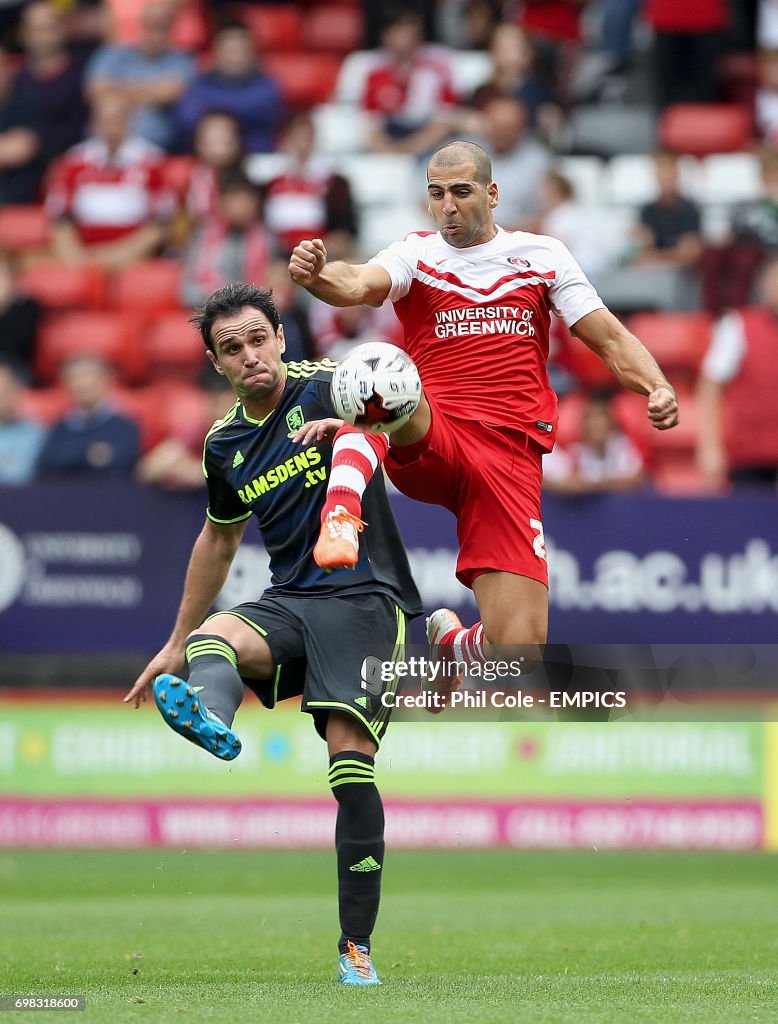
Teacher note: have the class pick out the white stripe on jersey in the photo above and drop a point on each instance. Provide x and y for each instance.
(508, 288)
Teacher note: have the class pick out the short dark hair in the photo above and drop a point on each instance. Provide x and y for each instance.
(454, 153)
(229, 301)
(235, 179)
(231, 25)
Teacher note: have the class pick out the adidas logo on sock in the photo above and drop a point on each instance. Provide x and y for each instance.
(368, 864)
(238, 460)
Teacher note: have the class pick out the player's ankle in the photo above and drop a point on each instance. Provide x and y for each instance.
(344, 498)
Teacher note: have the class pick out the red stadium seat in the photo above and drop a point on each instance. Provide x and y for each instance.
(678, 341)
(305, 79)
(631, 411)
(570, 408)
(178, 171)
(150, 286)
(45, 404)
(174, 348)
(334, 28)
(143, 406)
(679, 476)
(66, 286)
(190, 31)
(273, 27)
(702, 128)
(24, 227)
(114, 336)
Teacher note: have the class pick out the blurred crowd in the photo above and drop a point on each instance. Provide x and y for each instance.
(154, 150)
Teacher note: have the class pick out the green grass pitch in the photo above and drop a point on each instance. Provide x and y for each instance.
(590, 938)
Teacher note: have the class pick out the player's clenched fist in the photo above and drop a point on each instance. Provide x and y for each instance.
(663, 407)
(307, 261)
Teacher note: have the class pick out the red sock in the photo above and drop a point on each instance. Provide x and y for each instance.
(355, 458)
(467, 644)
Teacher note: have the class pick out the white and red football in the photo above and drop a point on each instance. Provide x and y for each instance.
(376, 388)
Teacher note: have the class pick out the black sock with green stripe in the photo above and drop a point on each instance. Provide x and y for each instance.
(359, 842)
(213, 669)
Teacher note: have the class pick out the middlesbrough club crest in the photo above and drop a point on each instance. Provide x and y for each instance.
(517, 261)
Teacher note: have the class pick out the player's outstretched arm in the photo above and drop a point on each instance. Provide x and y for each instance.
(209, 564)
(631, 364)
(339, 284)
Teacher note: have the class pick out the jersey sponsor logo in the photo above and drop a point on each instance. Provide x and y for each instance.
(238, 460)
(542, 425)
(295, 419)
(466, 320)
(303, 462)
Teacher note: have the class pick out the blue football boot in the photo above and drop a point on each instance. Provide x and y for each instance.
(179, 706)
(355, 967)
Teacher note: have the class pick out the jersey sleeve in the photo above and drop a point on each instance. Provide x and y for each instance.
(224, 505)
(572, 295)
(399, 261)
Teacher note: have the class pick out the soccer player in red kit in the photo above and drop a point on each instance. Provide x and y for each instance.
(475, 304)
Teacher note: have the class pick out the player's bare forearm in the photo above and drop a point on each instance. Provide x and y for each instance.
(631, 364)
(711, 452)
(337, 284)
(209, 564)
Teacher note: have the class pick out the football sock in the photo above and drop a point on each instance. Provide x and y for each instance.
(213, 669)
(467, 644)
(355, 457)
(359, 843)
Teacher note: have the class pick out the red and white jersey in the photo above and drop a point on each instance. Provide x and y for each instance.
(411, 94)
(295, 202)
(476, 322)
(109, 197)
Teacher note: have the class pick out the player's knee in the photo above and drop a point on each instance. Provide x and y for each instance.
(518, 630)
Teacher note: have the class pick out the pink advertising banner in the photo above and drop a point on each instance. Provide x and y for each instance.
(300, 823)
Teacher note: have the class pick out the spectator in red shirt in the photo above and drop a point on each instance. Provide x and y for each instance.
(108, 198)
(409, 90)
(231, 245)
(309, 200)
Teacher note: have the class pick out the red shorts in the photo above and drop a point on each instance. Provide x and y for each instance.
(490, 478)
